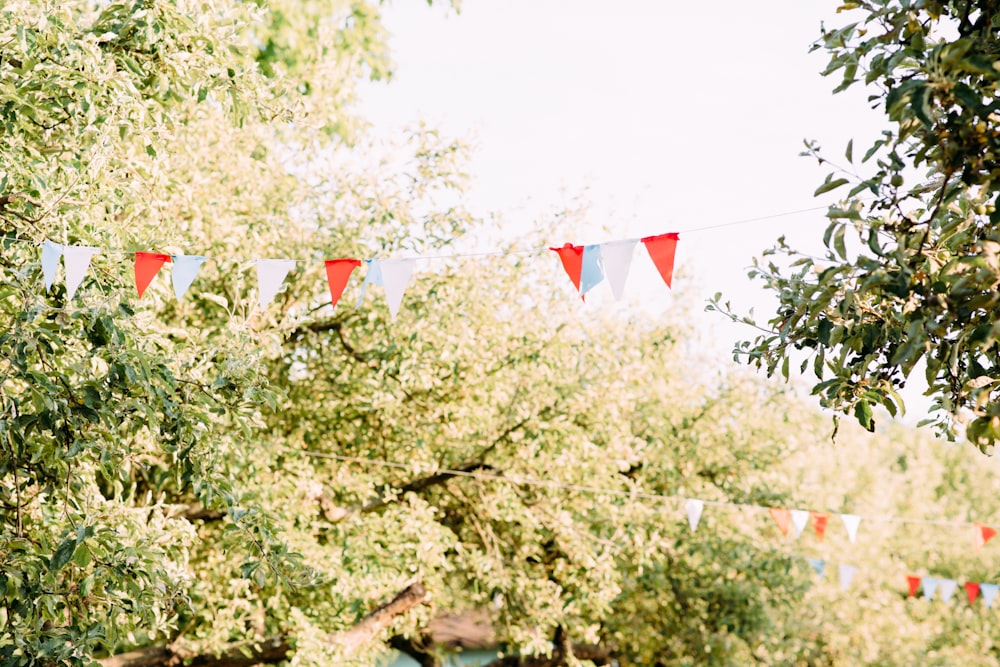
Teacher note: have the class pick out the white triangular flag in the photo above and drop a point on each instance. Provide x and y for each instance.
(77, 261)
(989, 592)
(948, 587)
(395, 275)
(930, 585)
(694, 510)
(51, 252)
(799, 519)
(185, 271)
(616, 257)
(847, 573)
(851, 522)
(270, 275)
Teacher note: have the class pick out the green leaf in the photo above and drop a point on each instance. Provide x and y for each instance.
(63, 554)
(863, 413)
(830, 185)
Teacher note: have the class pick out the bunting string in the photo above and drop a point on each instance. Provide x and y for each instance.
(694, 506)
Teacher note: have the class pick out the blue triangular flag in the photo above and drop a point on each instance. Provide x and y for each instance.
(989, 592)
(591, 274)
(930, 585)
(818, 565)
(51, 252)
(185, 271)
(372, 277)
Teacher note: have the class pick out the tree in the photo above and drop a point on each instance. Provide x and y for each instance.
(203, 481)
(911, 273)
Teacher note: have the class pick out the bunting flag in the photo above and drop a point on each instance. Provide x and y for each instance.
(186, 269)
(983, 534)
(799, 520)
(913, 583)
(616, 258)
(971, 591)
(989, 592)
(851, 522)
(591, 273)
(147, 265)
(694, 510)
(820, 520)
(51, 252)
(818, 565)
(947, 588)
(847, 573)
(781, 517)
(372, 277)
(572, 261)
(661, 250)
(930, 585)
(271, 275)
(76, 260)
(395, 276)
(338, 274)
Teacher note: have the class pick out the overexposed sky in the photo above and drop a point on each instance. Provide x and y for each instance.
(669, 116)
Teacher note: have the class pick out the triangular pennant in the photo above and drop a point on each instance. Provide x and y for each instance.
(76, 260)
(591, 274)
(930, 585)
(395, 276)
(947, 588)
(186, 269)
(971, 591)
(372, 277)
(694, 509)
(270, 276)
(781, 517)
(989, 592)
(51, 252)
(616, 258)
(818, 565)
(799, 520)
(147, 265)
(572, 261)
(851, 522)
(913, 584)
(661, 249)
(338, 274)
(847, 573)
(983, 534)
(820, 520)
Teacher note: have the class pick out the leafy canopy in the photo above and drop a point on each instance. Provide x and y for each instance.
(910, 280)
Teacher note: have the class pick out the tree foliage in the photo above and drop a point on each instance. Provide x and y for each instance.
(201, 481)
(909, 280)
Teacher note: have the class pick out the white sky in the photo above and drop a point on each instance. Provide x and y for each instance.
(671, 116)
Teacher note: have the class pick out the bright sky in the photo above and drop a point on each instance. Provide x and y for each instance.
(670, 116)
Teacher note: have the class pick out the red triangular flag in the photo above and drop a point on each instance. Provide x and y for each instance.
(914, 584)
(572, 261)
(819, 523)
(972, 590)
(983, 534)
(147, 265)
(338, 273)
(661, 250)
(781, 517)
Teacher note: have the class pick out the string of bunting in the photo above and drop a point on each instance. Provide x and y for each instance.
(585, 265)
(786, 520)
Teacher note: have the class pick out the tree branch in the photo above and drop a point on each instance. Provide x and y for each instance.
(276, 649)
